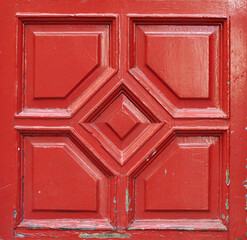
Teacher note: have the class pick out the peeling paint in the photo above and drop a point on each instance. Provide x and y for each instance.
(104, 235)
(182, 228)
(127, 200)
(227, 177)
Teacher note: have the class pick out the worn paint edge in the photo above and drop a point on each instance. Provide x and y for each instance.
(104, 235)
(227, 177)
(127, 200)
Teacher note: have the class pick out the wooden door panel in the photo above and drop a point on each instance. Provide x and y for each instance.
(126, 123)
(123, 123)
(56, 73)
(60, 180)
(167, 174)
(164, 58)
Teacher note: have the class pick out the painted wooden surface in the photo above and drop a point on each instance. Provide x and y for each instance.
(123, 119)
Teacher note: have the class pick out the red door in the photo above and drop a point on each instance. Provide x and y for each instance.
(123, 119)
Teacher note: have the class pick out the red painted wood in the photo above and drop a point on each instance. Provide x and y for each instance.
(123, 119)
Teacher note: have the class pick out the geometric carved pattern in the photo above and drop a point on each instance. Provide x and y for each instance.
(176, 183)
(124, 130)
(122, 126)
(64, 60)
(181, 64)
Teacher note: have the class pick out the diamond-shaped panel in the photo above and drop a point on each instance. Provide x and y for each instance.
(122, 123)
(122, 126)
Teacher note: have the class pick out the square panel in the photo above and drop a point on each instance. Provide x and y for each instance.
(61, 60)
(181, 180)
(60, 181)
(183, 62)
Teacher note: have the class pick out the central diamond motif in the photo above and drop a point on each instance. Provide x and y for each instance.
(122, 126)
(122, 123)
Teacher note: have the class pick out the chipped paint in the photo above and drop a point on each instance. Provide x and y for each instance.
(127, 200)
(227, 218)
(76, 228)
(34, 226)
(227, 204)
(15, 214)
(154, 152)
(223, 216)
(182, 228)
(246, 203)
(114, 200)
(104, 235)
(244, 183)
(20, 235)
(227, 177)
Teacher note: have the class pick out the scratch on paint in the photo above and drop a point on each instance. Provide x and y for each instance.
(127, 200)
(104, 235)
(227, 177)
(5, 186)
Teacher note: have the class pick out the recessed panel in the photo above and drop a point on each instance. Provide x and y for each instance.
(181, 61)
(60, 181)
(181, 181)
(62, 61)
